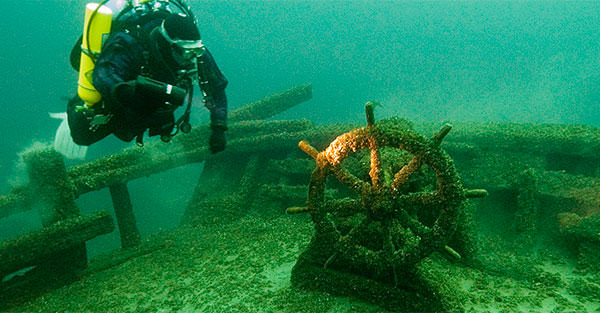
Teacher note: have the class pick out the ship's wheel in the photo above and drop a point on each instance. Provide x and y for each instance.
(385, 223)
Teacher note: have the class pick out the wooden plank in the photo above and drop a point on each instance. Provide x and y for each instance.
(36, 247)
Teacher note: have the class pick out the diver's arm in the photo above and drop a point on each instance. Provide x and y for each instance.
(213, 83)
(120, 61)
(145, 95)
(218, 113)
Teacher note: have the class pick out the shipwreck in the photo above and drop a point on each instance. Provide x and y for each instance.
(400, 215)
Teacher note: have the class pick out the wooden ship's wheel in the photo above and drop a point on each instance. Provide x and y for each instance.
(385, 225)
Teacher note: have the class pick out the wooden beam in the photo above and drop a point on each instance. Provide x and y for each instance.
(36, 247)
(130, 235)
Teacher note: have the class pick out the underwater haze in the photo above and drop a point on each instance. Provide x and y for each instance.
(522, 61)
(504, 61)
(491, 60)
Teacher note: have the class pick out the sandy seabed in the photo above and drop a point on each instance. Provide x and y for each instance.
(245, 266)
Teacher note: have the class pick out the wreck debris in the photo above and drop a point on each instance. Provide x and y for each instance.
(581, 229)
(14, 202)
(252, 143)
(272, 105)
(583, 235)
(526, 216)
(39, 246)
(257, 149)
(50, 185)
(53, 195)
(130, 235)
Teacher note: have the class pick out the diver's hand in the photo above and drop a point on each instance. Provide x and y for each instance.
(217, 139)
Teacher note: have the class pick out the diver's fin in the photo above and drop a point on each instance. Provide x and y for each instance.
(63, 142)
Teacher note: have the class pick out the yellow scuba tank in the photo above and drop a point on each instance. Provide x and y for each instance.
(101, 21)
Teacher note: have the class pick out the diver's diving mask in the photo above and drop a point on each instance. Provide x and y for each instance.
(183, 51)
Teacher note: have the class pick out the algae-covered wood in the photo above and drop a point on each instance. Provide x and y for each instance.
(32, 248)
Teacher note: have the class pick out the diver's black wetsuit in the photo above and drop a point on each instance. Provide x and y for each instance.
(123, 58)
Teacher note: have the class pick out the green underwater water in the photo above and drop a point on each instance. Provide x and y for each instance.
(535, 61)
(435, 60)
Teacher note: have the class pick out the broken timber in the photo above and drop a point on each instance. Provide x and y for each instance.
(37, 246)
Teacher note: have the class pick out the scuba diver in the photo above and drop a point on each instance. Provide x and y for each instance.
(146, 69)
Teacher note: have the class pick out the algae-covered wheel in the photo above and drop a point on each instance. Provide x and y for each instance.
(385, 223)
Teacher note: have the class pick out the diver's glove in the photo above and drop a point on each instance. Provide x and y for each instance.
(217, 137)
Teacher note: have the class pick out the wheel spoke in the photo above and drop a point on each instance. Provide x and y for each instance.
(412, 223)
(346, 178)
(343, 243)
(325, 226)
(407, 241)
(345, 207)
(388, 243)
(375, 171)
(389, 248)
(436, 140)
(316, 189)
(330, 260)
(346, 239)
(407, 170)
(416, 202)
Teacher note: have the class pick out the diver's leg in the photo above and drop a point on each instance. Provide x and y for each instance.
(79, 124)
